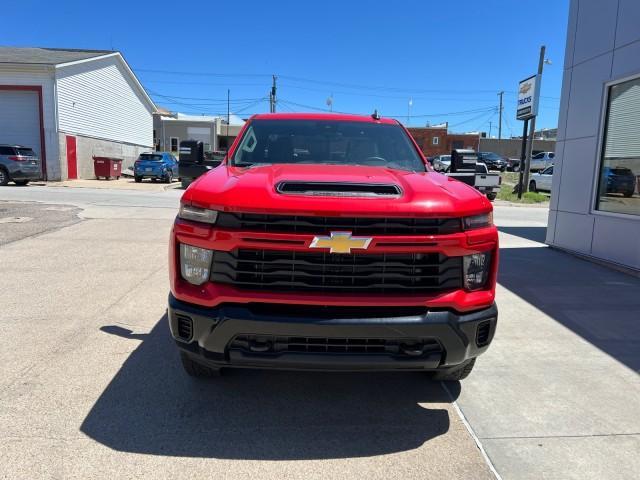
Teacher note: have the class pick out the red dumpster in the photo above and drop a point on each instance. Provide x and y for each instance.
(107, 167)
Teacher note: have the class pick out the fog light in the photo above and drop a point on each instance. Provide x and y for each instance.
(476, 270)
(195, 264)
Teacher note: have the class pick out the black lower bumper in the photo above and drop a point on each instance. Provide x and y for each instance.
(256, 336)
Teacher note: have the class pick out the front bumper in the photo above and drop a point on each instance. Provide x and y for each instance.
(26, 174)
(211, 335)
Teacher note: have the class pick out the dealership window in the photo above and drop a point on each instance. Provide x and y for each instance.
(174, 144)
(436, 140)
(619, 178)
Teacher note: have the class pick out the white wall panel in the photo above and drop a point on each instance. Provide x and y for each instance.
(576, 183)
(596, 28)
(628, 21)
(585, 104)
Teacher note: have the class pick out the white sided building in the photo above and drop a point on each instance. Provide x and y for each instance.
(71, 106)
(595, 198)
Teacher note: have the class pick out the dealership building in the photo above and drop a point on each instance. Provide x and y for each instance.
(595, 200)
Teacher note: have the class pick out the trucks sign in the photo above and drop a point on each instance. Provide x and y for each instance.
(528, 96)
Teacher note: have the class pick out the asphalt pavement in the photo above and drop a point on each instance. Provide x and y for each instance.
(91, 387)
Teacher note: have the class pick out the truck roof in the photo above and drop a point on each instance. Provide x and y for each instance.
(340, 117)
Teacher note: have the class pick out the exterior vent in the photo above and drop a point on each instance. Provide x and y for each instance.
(483, 334)
(185, 328)
(338, 189)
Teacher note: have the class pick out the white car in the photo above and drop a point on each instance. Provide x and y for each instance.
(542, 160)
(541, 180)
(441, 163)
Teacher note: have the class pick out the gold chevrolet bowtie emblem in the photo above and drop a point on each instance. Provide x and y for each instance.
(525, 88)
(340, 242)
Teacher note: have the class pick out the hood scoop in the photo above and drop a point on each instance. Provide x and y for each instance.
(338, 189)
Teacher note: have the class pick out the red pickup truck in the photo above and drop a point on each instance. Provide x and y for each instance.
(326, 242)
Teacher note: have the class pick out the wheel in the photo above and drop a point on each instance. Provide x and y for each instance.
(197, 370)
(492, 196)
(22, 183)
(118, 177)
(626, 194)
(458, 373)
(4, 177)
(516, 168)
(168, 177)
(184, 182)
(137, 179)
(532, 186)
(153, 179)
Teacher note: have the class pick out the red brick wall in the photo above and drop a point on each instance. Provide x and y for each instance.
(424, 138)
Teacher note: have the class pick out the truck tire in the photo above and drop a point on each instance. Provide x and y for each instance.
(459, 373)
(137, 179)
(184, 183)
(628, 194)
(492, 196)
(197, 370)
(532, 186)
(21, 183)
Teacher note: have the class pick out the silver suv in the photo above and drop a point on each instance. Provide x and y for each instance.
(18, 164)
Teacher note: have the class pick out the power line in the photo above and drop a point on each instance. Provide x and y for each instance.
(464, 112)
(203, 74)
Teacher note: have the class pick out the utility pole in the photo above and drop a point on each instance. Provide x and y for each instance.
(228, 113)
(490, 127)
(500, 117)
(272, 96)
(409, 105)
(525, 180)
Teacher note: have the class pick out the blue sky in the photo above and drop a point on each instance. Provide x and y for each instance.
(450, 57)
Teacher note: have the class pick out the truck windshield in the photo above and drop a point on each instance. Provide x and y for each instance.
(327, 142)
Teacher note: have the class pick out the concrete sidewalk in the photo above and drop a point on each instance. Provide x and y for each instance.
(123, 183)
(558, 393)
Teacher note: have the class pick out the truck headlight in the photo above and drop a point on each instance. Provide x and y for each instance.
(478, 221)
(476, 270)
(197, 214)
(195, 263)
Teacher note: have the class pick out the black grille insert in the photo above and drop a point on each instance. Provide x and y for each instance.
(338, 189)
(185, 327)
(260, 222)
(404, 273)
(269, 344)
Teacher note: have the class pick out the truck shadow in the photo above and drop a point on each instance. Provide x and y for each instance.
(536, 234)
(597, 303)
(151, 406)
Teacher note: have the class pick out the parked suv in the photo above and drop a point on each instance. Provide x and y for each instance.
(493, 161)
(18, 164)
(156, 166)
(326, 242)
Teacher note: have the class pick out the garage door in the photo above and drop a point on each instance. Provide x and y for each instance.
(20, 119)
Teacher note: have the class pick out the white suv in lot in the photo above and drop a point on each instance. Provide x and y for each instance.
(541, 180)
(542, 160)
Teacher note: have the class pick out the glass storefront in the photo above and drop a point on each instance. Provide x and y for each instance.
(619, 181)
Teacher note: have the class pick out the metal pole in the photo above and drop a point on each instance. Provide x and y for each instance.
(272, 95)
(523, 157)
(500, 117)
(490, 127)
(533, 125)
(228, 115)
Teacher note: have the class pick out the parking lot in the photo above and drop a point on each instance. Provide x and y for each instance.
(90, 384)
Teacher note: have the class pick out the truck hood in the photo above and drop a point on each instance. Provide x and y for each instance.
(253, 190)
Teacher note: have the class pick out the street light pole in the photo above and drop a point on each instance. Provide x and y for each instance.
(409, 111)
(525, 181)
(500, 94)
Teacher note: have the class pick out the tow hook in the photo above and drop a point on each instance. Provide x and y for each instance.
(412, 350)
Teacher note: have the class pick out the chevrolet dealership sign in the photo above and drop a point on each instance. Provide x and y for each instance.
(528, 96)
